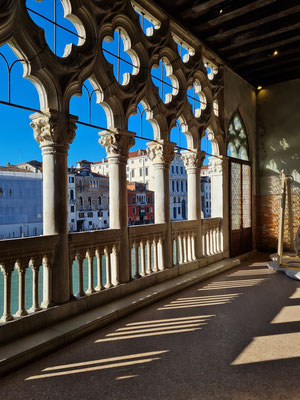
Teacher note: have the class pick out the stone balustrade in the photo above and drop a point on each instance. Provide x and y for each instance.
(212, 236)
(99, 249)
(94, 260)
(147, 249)
(184, 241)
(19, 255)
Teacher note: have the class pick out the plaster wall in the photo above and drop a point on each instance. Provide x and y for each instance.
(279, 148)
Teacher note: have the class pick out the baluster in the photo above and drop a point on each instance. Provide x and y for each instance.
(162, 256)
(143, 259)
(71, 289)
(221, 239)
(189, 247)
(108, 268)
(90, 256)
(99, 270)
(211, 239)
(7, 271)
(79, 260)
(176, 250)
(215, 241)
(180, 249)
(204, 251)
(35, 286)
(136, 260)
(21, 268)
(115, 265)
(193, 246)
(184, 248)
(207, 243)
(149, 268)
(47, 283)
(155, 266)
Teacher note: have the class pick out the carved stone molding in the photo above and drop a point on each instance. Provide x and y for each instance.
(161, 152)
(193, 158)
(53, 128)
(117, 143)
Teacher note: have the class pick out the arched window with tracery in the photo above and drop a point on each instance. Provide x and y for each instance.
(240, 187)
(237, 142)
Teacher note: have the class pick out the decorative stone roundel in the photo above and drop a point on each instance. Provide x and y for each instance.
(163, 78)
(196, 98)
(118, 52)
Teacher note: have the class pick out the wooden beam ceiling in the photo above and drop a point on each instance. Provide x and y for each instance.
(246, 33)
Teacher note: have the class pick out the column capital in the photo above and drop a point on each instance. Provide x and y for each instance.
(53, 128)
(161, 151)
(117, 142)
(215, 166)
(193, 159)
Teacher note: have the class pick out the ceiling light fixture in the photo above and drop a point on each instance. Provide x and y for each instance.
(275, 53)
(221, 11)
(259, 87)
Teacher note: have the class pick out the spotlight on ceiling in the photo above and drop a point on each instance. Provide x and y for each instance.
(275, 53)
(221, 11)
(259, 87)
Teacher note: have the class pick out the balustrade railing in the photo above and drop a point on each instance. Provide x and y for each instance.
(16, 257)
(94, 261)
(184, 241)
(212, 236)
(96, 254)
(147, 250)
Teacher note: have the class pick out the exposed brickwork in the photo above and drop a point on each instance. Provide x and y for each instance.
(268, 208)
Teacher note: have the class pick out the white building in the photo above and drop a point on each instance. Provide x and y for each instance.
(21, 202)
(139, 169)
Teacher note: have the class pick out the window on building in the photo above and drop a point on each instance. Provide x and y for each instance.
(141, 171)
(173, 188)
(71, 194)
(72, 209)
(147, 209)
(177, 186)
(178, 210)
(172, 169)
(133, 210)
(80, 201)
(99, 201)
(146, 171)
(89, 201)
(181, 170)
(182, 186)
(174, 213)
(132, 173)
(176, 169)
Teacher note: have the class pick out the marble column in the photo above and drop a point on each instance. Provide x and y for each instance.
(117, 143)
(54, 131)
(161, 153)
(218, 172)
(193, 160)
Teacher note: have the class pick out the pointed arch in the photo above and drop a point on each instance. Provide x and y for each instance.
(237, 139)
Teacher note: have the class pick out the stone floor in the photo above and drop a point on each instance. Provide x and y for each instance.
(235, 336)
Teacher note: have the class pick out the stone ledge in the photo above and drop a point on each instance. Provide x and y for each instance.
(21, 351)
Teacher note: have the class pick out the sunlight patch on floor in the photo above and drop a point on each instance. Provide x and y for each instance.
(270, 348)
(287, 314)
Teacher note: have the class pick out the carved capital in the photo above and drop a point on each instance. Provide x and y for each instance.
(53, 128)
(193, 158)
(161, 152)
(117, 142)
(215, 166)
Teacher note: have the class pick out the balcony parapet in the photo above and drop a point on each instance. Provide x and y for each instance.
(21, 254)
(212, 236)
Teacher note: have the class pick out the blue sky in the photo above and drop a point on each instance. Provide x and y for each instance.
(16, 136)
